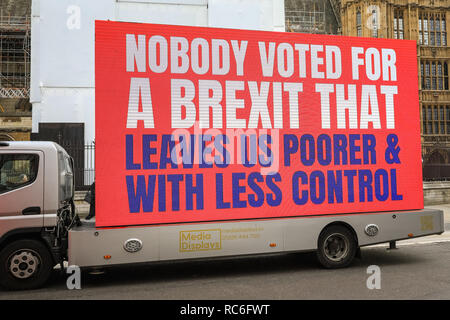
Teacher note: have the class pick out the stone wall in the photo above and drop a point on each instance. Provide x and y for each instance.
(17, 127)
(436, 193)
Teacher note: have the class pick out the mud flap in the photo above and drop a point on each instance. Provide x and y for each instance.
(358, 254)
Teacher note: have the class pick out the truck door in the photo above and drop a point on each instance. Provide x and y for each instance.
(21, 183)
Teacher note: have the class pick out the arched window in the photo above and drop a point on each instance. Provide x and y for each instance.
(436, 158)
(398, 24)
(358, 23)
(434, 75)
(374, 23)
(432, 29)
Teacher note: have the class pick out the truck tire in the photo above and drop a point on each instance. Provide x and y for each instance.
(25, 264)
(336, 247)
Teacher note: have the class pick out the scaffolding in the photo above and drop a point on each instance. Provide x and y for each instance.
(336, 7)
(14, 56)
(305, 16)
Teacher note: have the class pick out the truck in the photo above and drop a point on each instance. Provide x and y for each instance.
(39, 227)
(217, 143)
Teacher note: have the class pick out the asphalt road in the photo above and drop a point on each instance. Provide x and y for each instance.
(419, 270)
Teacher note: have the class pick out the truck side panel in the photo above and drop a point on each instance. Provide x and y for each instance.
(89, 246)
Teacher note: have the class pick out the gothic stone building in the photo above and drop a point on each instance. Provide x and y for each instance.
(425, 21)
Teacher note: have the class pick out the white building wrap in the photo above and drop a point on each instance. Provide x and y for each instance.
(63, 47)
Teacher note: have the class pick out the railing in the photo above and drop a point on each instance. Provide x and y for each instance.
(436, 158)
(436, 172)
(14, 92)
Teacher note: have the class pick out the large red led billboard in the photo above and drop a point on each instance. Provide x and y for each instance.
(201, 124)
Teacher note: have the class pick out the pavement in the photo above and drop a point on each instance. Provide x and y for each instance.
(445, 237)
(82, 208)
(446, 209)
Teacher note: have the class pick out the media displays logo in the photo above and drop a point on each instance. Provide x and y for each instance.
(200, 240)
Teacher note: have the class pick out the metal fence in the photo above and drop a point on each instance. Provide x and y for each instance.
(436, 159)
(436, 172)
(84, 162)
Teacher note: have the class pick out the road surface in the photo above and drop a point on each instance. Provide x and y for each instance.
(419, 269)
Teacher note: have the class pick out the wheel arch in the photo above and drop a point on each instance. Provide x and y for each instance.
(34, 233)
(341, 223)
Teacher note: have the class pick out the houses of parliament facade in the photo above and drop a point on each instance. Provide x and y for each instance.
(425, 21)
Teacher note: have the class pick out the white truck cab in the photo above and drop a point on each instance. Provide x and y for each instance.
(36, 210)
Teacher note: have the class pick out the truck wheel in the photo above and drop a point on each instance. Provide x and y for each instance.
(25, 264)
(336, 247)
